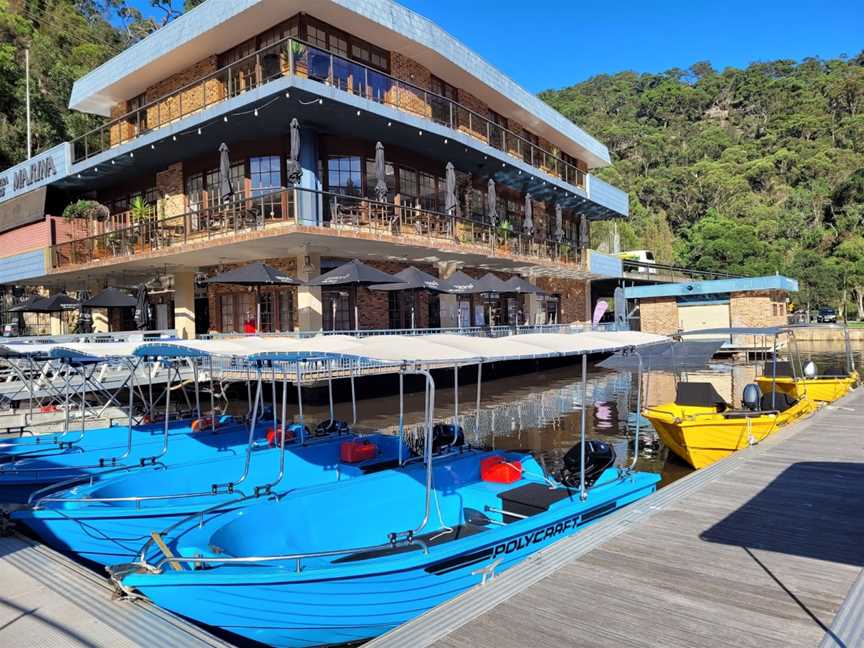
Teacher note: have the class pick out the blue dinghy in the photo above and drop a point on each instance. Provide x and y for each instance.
(278, 573)
(108, 522)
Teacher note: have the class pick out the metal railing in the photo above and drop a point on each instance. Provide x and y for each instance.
(292, 57)
(339, 213)
(664, 272)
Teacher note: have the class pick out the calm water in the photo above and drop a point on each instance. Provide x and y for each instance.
(541, 411)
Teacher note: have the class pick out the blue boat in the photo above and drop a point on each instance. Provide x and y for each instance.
(278, 573)
(418, 534)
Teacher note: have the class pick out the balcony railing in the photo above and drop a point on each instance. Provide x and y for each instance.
(293, 57)
(337, 213)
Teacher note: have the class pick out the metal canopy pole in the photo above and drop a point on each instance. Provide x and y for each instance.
(583, 493)
(638, 412)
(330, 389)
(477, 411)
(300, 404)
(456, 395)
(401, 412)
(353, 393)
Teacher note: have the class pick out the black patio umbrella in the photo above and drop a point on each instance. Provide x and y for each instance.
(110, 298)
(226, 190)
(141, 315)
(528, 220)
(354, 273)
(559, 223)
(295, 171)
(491, 203)
(255, 274)
(380, 173)
(450, 200)
(520, 286)
(54, 304)
(460, 283)
(490, 284)
(24, 307)
(414, 280)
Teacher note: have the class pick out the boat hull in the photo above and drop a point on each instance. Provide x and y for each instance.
(826, 389)
(701, 436)
(280, 607)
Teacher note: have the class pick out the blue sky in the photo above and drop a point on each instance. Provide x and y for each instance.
(554, 43)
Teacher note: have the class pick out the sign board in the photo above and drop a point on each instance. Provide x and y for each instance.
(42, 169)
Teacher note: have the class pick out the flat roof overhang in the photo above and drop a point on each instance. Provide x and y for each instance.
(336, 115)
(217, 25)
(287, 240)
(718, 286)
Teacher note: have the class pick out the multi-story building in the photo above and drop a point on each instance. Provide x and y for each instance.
(353, 74)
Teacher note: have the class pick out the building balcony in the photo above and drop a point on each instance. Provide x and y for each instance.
(291, 57)
(282, 221)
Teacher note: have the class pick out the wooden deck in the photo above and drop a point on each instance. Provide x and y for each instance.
(47, 599)
(760, 549)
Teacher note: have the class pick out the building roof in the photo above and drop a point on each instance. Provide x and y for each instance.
(743, 284)
(217, 25)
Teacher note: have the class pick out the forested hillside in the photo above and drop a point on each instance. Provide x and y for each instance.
(750, 171)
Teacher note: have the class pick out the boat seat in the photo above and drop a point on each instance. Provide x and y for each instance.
(834, 372)
(388, 464)
(783, 369)
(742, 414)
(699, 394)
(781, 402)
(531, 499)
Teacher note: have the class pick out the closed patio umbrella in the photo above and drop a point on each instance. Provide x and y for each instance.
(380, 173)
(354, 273)
(491, 203)
(413, 279)
(583, 231)
(450, 200)
(141, 315)
(295, 171)
(255, 274)
(528, 220)
(226, 190)
(559, 223)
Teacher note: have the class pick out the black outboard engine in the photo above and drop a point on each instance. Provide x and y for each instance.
(599, 456)
(446, 436)
(332, 426)
(752, 397)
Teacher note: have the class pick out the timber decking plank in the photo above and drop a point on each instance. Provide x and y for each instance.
(759, 552)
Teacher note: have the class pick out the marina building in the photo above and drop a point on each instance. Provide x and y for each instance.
(336, 123)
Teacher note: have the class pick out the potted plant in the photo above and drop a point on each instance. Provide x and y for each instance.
(88, 210)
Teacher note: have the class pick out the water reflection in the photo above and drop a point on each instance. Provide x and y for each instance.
(541, 411)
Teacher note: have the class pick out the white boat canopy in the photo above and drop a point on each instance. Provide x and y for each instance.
(435, 349)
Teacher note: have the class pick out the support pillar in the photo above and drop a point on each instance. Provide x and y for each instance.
(309, 204)
(100, 320)
(309, 309)
(184, 305)
(449, 304)
(56, 320)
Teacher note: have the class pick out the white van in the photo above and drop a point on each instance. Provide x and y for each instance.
(639, 256)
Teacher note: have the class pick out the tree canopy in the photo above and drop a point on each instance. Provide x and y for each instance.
(750, 171)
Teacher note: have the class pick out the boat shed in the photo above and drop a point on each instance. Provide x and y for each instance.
(669, 308)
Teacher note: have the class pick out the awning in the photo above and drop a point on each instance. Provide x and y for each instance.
(23, 210)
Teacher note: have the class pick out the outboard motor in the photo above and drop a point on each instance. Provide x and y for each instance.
(599, 456)
(332, 426)
(810, 370)
(752, 397)
(445, 436)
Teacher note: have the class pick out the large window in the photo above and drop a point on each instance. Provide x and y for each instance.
(409, 186)
(344, 175)
(441, 106)
(389, 178)
(429, 193)
(264, 174)
(226, 303)
(195, 192)
(338, 309)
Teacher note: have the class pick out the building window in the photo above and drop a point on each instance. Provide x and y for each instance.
(344, 175)
(496, 130)
(226, 304)
(429, 192)
(409, 186)
(286, 310)
(441, 104)
(338, 309)
(195, 192)
(137, 117)
(264, 174)
(532, 142)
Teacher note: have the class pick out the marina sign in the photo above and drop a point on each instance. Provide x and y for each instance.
(38, 171)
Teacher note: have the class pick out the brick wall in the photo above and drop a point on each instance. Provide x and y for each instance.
(188, 101)
(412, 72)
(765, 308)
(469, 123)
(659, 315)
(572, 297)
(169, 185)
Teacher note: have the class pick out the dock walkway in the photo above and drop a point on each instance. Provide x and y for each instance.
(47, 599)
(760, 549)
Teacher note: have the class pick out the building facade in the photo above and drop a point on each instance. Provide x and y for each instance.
(141, 199)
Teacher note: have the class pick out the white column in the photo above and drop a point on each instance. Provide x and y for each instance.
(184, 305)
(309, 311)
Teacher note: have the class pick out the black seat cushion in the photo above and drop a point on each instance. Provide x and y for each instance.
(783, 369)
(700, 394)
(531, 499)
(780, 402)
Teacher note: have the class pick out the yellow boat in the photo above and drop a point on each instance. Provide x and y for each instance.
(701, 428)
(826, 388)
